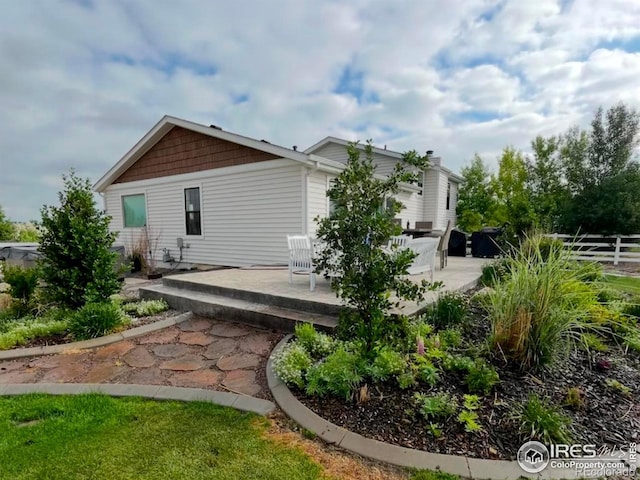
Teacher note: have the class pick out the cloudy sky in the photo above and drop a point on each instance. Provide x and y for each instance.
(82, 80)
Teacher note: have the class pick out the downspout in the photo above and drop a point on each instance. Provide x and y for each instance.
(305, 196)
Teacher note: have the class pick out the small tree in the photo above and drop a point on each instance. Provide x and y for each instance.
(7, 230)
(77, 264)
(355, 234)
(475, 198)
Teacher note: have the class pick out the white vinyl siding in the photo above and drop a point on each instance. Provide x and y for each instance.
(453, 203)
(337, 152)
(430, 197)
(247, 211)
(317, 205)
(413, 206)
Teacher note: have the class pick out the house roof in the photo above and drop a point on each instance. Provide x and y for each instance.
(380, 151)
(168, 122)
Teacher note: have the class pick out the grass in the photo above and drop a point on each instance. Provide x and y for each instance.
(94, 436)
(629, 285)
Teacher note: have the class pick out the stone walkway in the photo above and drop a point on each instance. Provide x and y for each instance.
(200, 352)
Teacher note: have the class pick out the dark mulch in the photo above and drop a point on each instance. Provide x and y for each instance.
(392, 416)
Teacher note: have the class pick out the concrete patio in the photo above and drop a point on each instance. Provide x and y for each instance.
(262, 295)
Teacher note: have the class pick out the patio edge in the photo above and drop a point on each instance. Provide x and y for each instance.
(95, 342)
(244, 403)
(475, 468)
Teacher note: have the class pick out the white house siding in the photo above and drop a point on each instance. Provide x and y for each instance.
(413, 208)
(453, 202)
(317, 203)
(338, 153)
(430, 196)
(247, 211)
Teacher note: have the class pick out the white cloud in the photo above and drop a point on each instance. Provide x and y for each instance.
(81, 85)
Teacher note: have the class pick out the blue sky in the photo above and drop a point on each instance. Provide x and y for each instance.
(83, 80)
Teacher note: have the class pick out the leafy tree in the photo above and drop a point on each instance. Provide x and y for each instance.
(513, 202)
(475, 197)
(601, 174)
(545, 181)
(77, 264)
(355, 236)
(7, 231)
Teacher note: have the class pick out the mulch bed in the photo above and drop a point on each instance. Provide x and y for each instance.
(607, 417)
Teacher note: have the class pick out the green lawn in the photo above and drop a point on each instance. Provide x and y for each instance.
(625, 284)
(98, 437)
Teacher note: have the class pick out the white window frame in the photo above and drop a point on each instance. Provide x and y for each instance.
(146, 209)
(184, 210)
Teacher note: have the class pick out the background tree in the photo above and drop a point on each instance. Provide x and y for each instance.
(512, 199)
(77, 264)
(544, 181)
(601, 174)
(7, 231)
(475, 197)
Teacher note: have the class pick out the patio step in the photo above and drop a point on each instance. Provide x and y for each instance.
(287, 302)
(236, 309)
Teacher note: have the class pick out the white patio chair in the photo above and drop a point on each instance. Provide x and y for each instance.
(301, 258)
(425, 249)
(400, 241)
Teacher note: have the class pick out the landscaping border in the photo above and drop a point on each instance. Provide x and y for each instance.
(151, 392)
(468, 467)
(95, 342)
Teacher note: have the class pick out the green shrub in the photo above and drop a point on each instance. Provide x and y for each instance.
(96, 319)
(145, 308)
(539, 248)
(19, 332)
(316, 343)
(471, 402)
(427, 372)
(339, 374)
(539, 310)
(469, 420)
(440, 406)
(450, 338)
(386, 364)
(481, 378)
(23, 282)
(618, 387)
(449, 310)
(457, 363)
(494, 272)
(539, 420)
(607, 295)
(291, 364)
(77, 265)
(632, 341)
(593, 342)
(632, 308)
(367, 278)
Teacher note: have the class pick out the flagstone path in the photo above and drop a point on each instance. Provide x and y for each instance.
(200, 353)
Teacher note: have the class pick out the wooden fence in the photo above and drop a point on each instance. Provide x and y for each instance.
(602, 248)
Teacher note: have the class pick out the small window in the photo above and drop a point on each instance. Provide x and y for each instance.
(192, 211)
(448, 195)
(134, 211)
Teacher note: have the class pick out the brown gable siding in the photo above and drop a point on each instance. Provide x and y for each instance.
(184, 151)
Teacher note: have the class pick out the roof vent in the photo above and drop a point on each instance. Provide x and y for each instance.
(295, 148)
(429, 153)
(216, 127)
(264, 141)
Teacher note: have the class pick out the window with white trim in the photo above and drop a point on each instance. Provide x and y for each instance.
(193, 220)
(134, 211)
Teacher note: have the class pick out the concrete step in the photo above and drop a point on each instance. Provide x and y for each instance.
(303, 305)
(236, 309)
